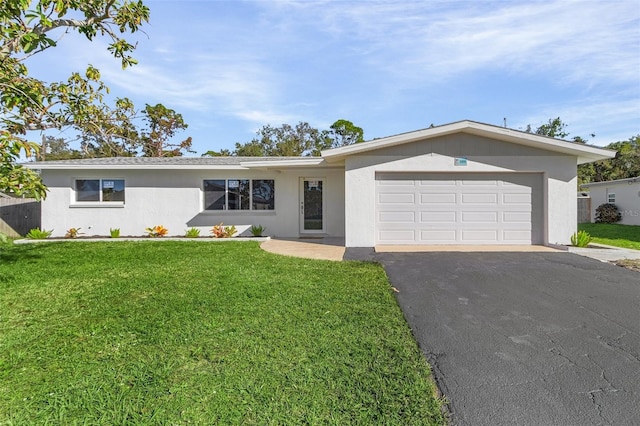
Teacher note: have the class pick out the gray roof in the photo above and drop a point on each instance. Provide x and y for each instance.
(160, 161)
(176, 163)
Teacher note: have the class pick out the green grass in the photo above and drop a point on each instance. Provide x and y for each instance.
(626, 236)
(202, 333)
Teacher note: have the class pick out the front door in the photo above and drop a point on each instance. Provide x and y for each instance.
(312, 205)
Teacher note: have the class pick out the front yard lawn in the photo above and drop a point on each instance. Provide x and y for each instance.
(202, 333)
(626, 236)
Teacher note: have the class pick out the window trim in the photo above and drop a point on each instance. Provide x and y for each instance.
(98, 203)
(226, 210)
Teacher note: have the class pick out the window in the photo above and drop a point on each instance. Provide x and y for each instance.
(611, 198)
(100, 190)
(263, 194)
(239, 194)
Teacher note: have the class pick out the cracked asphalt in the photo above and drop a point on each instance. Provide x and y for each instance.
(525, 338)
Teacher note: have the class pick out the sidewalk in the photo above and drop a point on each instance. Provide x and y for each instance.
(605, 253)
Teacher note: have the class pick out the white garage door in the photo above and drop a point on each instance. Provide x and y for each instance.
(453, 209)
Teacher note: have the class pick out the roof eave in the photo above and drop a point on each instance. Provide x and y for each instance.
(302, 162)
(612, 182)
(44, 166)
(584, 153)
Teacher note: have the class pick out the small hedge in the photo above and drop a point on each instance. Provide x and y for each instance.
(608, 213)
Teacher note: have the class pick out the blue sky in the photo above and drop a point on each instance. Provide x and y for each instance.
(230, 67)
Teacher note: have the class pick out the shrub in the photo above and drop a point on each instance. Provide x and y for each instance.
(221, 231)
(114, 232)
(192, 233)
(581, 239)
(157, 231)
(3, 238)
(72, 233)
(257, 231)
(38, 234)
(607, 213)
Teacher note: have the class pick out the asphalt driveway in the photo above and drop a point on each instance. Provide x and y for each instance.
(525, 338)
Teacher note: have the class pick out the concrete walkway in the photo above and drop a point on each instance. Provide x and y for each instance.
(310, 248)
(463, 248)
(333, 249)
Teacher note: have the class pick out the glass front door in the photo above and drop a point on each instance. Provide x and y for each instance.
(311, 205)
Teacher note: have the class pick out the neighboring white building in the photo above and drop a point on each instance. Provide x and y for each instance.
(624, 193)
(460, 183)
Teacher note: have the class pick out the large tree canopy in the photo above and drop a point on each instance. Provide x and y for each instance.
(26, 103)
(116, 134)
(626, 163)
(555, 128)
(295, 141)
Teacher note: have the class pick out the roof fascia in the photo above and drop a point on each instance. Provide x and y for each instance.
(44, 166)
(584, 153)
(612, 182)
(302, 162)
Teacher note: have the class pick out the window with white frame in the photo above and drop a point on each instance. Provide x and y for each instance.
(239, 194)
(99, 190)
(611, 198)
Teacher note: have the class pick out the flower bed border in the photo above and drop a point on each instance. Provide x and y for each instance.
(109, 239)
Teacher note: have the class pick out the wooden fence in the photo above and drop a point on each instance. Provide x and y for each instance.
(584, 210)
(18, 215)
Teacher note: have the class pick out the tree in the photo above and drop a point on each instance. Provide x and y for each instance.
(163, 123)
(626, 163)
(346, 133)
(114, 132)
(111, 132)
(57, 149)
(13, 177)
(26, 103)
(222, 153)
(284, 141)
(301, 140)
(556, 128)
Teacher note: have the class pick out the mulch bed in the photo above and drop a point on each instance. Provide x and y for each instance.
(632, 264)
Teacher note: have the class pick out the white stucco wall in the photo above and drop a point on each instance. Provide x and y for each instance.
(627, 200)
(174, 199)
(558, 173)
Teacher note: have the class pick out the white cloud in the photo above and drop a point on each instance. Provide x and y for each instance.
(585, 40)
(260, 62)
(611, 121)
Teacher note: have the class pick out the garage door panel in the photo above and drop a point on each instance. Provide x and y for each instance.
(438, 217)
(397, 237)
(524, 199)
(440, 236)
(396, 198)
(467, 182)
(516, 217)
(437, 198)
(396, 182)
(397, 217)
(471, 198)
(437, 183)
(515, 236)
(448, 209)
(478, 216)
(479, 235)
